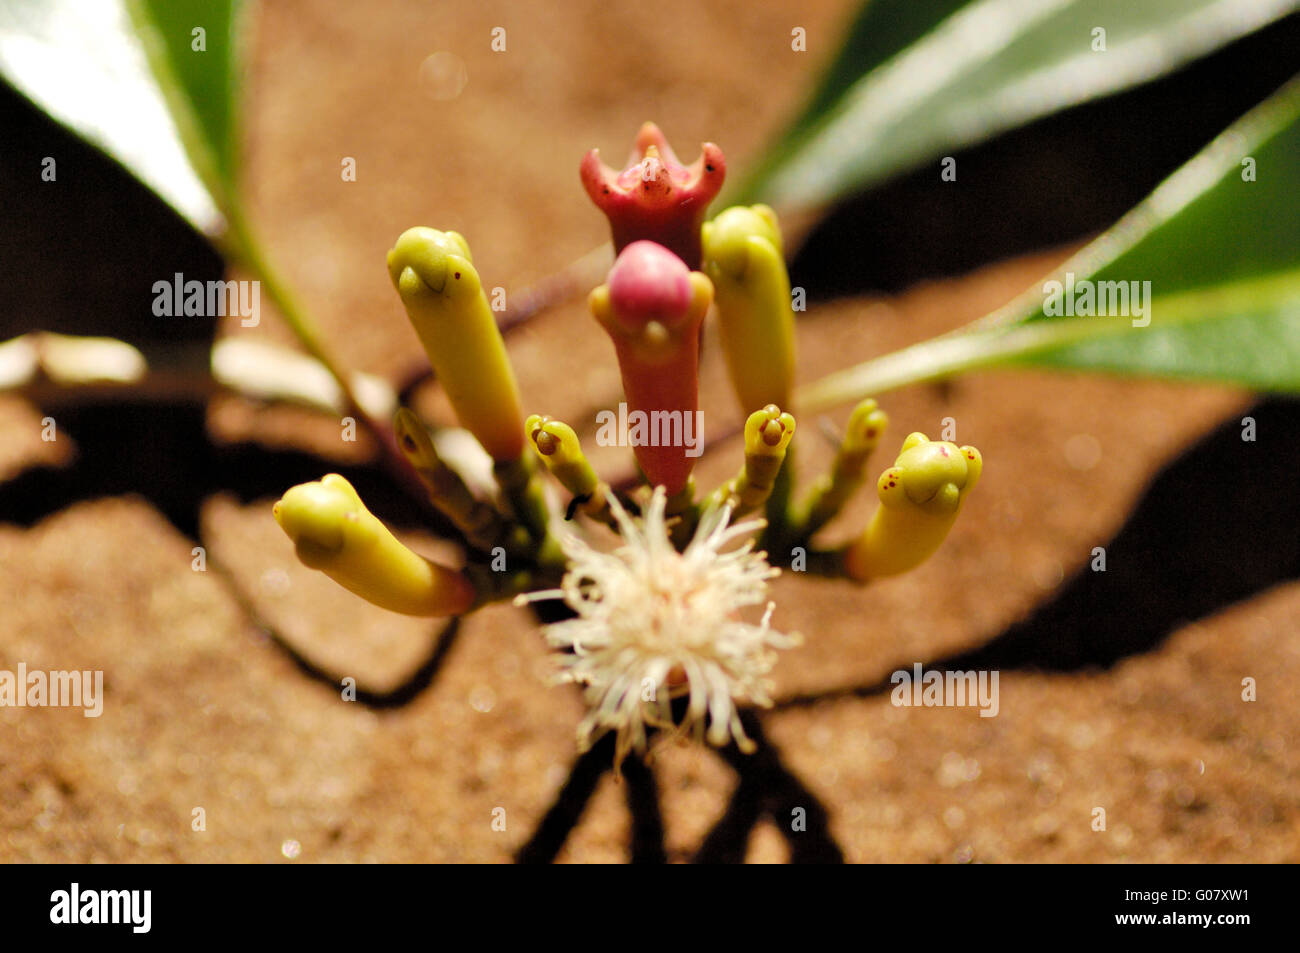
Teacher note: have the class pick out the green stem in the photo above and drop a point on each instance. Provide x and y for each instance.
(240, 244)
(778, 503)
(523, 491)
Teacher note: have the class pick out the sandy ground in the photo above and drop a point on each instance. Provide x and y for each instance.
(204, 710)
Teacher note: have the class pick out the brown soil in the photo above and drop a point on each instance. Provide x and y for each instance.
(203, 709)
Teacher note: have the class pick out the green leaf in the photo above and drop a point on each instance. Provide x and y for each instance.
(880, 30)
(155, 84)
(934, 76)
(1219, 243)
(193, 47)
(84, 65)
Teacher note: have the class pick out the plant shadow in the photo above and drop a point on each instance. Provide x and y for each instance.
(766, 788)
(1215, 527)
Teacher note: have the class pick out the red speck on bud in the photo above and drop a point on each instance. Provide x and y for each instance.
(655, 197)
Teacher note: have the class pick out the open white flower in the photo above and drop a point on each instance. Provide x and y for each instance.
(654, 624)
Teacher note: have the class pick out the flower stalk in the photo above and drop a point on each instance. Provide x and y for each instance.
(768, 433)
(479, 522)
(832, 491)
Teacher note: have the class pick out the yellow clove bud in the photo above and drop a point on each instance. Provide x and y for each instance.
(768, 433)
(435, 276)
(333, 531)
(920, 496)
(480, 522)
(558, 446)
(744, 260)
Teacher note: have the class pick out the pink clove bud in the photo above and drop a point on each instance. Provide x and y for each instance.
(652, 306)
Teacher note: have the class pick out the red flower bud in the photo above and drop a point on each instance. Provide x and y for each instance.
(655, 197)
(653, 306)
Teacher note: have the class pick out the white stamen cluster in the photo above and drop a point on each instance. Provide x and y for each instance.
(653, 625)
